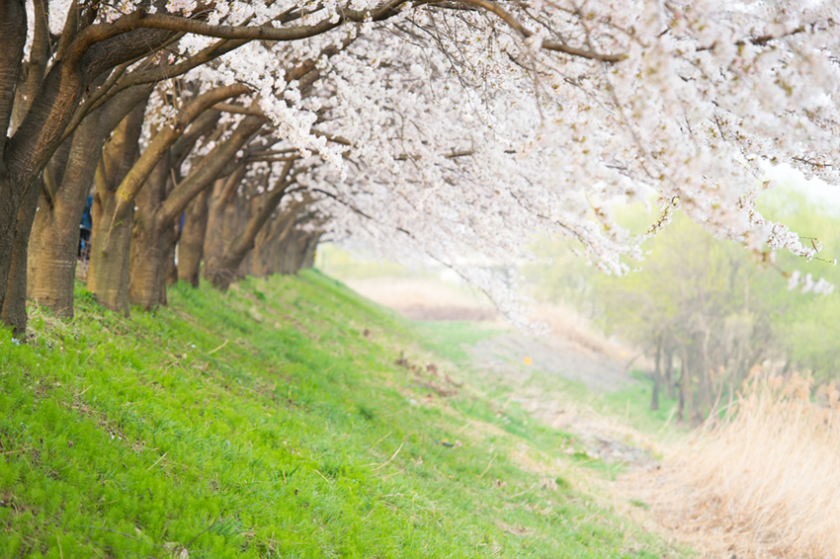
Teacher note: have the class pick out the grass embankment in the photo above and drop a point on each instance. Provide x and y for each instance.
(273, 421)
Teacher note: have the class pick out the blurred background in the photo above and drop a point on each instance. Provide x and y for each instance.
(694, 318)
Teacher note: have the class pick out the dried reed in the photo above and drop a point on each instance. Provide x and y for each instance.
(763, 482)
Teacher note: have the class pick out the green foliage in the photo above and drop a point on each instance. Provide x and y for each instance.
(448, 339)
(342, 264)
(810, 328)
(560, 275)
(265, 423)
(713, 301)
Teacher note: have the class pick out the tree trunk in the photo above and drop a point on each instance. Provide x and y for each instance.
(705, 392)
(13, 28)
(147, 286)
(41, 132)
(657, 378)
(15, 101)
(246, 266)
(171, 235)
(111, 242)
(13, 310)
(170, 264)
(258, 253)
(68, 177)
(221, 214)
(213, 237)
(213, 167)
(669, 372)
(269, 242)
(147, 271)
(309, 254)
(54, 242)
(163, 139)
(9, 204)
(293, 252)
(683, 388)
(275, 254)
(223, 273)
(53, 247)
(191, 244)
(109, 254)
(217, 267)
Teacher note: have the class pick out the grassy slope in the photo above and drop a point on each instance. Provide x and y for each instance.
(265, 423)
(630, 404)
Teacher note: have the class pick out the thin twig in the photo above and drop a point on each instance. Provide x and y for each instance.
(158, 460)
(389, 459)
(488, 467)
(218, 348)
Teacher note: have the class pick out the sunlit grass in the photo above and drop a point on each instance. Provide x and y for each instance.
(272, 421)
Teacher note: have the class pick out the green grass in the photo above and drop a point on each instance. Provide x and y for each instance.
(633, 401)
(448, 338)
(272, 421)
(629, 405)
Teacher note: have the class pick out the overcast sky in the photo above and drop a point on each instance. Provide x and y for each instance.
(786, 177)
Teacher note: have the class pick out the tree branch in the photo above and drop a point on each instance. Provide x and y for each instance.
(163, 140)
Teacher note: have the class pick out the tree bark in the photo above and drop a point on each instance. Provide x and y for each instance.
(169, 238)
(68, 177)
(13, 310)
(657, 377)
(683, 388)
(170, 256)
(87, 50)
(211, 169)
(309, 253)
(12, 40)
(293, 251)
(164, 139)
(270, 249)
(147, 285)
(258, 255)
(233, 217)
(669, 372)
(13, 305)
(32, 72)
(111, 243)
(220, 213)
(225, 271)
(246, 266)
(109, 254)
(54, 240)
(191, 244)
(147, 288)
(24, 156)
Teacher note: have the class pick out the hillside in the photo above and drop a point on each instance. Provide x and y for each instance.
(286, 418)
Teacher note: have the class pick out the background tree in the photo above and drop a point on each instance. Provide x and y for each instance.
(707, 312)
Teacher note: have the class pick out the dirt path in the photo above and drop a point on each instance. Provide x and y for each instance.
(501, 361)
(554, 355)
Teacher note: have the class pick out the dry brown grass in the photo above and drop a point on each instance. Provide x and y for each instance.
(763, 483)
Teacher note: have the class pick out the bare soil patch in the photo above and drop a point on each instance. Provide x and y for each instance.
(426, 298)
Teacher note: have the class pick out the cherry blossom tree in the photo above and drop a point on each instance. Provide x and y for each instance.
(442, 128)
